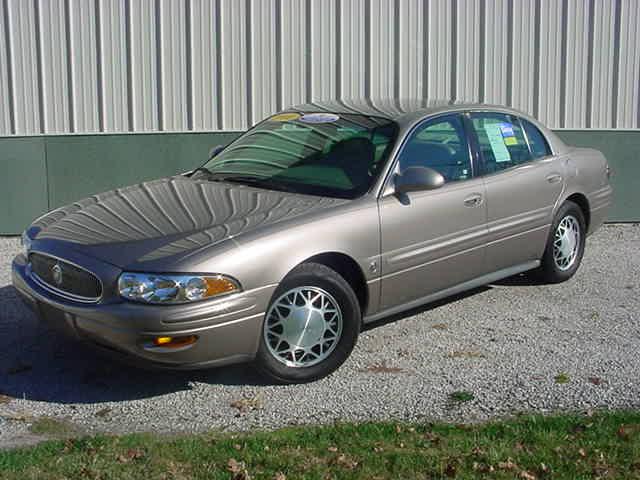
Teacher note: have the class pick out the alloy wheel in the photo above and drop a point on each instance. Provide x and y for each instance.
(566, 243)
(303, 326)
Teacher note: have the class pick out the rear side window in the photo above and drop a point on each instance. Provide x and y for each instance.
(537, 142)
(501, 140)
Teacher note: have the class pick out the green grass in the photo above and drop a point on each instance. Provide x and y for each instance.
(461, 396)
(53, 427)
(562, 378)
(604, 445)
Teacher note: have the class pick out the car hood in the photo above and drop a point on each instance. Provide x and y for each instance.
(168, 218)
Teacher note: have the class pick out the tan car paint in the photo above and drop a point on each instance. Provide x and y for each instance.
(410, 248)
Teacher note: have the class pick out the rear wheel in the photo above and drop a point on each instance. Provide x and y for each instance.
(311, 325)
(565, 245)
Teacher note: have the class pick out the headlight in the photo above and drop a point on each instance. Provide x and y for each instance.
(25, 240)
(159, 288)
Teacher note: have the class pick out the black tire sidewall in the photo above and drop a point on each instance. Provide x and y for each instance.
(320, 276)
(550, 271)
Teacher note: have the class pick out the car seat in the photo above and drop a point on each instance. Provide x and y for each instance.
(355, 157)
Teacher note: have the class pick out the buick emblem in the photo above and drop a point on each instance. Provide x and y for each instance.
(56, 271)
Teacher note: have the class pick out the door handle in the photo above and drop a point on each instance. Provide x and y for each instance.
(554, 178)
(474, 200)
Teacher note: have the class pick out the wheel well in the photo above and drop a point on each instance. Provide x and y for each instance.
(583, 203)
(349, 269)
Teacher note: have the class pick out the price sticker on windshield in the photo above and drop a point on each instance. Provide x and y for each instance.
(285, 117)
(319, 118)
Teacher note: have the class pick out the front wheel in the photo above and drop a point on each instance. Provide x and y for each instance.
(311, 325)
(565, 245)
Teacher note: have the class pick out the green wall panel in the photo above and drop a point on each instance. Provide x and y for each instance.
(622, 149)
(40, 173)
(79, 166)
(23, 182)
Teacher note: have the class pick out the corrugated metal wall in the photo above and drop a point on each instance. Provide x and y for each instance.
(90, 66)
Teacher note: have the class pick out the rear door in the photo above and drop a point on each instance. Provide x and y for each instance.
(432, 240)
(523, 182)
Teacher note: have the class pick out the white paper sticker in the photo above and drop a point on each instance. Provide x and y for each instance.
(494, 133)
(319, 118)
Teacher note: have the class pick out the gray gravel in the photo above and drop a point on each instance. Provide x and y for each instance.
(505, 344)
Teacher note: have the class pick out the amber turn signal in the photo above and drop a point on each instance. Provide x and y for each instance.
(219, 285)
(175, 342)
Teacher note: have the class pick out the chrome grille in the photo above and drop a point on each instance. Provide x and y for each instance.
(64, 278)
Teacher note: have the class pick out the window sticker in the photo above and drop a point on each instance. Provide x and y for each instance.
(319, 118)
(507, 130)
(507, 133)
(497, 142)
(285, 117)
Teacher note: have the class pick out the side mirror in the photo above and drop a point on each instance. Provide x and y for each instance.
(416, 179)
(215, 151)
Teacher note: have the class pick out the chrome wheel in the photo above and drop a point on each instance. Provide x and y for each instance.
(303, 326)
(566, 243)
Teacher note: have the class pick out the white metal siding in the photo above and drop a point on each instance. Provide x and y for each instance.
(410, 31)
(628, 97)
(112, 66)
(440, 60)
(293, 53)
(234, 93)
(324, 46)
(22, 49)
(576, 70)
(5, 99)
(90, 66)
(143, 61)
(203, 65)
(264, 93)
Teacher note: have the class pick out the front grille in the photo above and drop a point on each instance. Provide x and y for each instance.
(65, 278)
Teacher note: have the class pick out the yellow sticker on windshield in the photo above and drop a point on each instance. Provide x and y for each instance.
(510, 141)
(285, 117)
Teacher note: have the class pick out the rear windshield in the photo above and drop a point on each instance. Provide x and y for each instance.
(335, 155)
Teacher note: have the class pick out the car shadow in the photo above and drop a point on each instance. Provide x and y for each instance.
(424, 308)
(38, 363)
(526, 279)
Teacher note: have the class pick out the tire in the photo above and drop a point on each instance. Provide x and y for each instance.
(556, 266)
(328, 337)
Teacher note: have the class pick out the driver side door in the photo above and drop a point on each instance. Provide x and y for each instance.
(432, 240)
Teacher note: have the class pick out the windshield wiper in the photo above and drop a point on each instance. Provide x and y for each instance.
(242, 179)
(258, 182)
(201, 170)
(210, 175)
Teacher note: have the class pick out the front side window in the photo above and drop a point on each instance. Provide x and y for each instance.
(537, 142)
(326, 154)
(501, 140)
(440, 144)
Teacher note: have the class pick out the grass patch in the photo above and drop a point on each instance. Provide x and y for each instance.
(461, 396)
(604, 445)
(53, 427)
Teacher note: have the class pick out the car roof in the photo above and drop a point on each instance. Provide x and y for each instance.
(394, 109)
(391, 109)
(407, 112)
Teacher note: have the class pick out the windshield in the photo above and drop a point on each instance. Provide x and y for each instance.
(315, 153)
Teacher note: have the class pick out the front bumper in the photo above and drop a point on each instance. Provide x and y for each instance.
(228, 329)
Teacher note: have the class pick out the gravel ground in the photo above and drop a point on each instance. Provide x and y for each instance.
(514, 346)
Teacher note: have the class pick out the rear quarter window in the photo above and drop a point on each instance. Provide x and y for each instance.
(537, 141)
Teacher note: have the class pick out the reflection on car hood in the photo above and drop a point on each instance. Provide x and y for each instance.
(169, 217)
